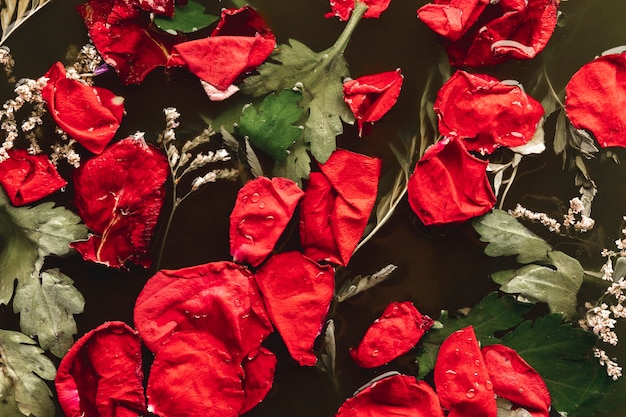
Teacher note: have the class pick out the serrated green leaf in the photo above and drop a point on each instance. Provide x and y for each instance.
(187, 19)
(560, 133)
(297, 165)
(46, 309)
(270, 128)
(23, 368)
(508, 237)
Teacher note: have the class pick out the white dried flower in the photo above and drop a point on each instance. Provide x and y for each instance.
(612, 368)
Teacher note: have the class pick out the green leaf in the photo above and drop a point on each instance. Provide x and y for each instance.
(270, 128)
(507, 237)
(297, 165)
(187, 19)
(491, 315)
(22, 370)
(46, 309)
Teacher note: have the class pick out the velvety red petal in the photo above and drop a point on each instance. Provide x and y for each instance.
(91, 115)
(397, 395)
(486, 113)
(123, 36)
(259, 372)
(394, 333)
(337, 205)
(451, 18)
(161, 7)
(218, 299)
(27, 178)
(370, 97)
(119, 195)
(101, 374)
(242, 22)
(297, 294)
(262, 211)
(595, 98)
(343, 8)
(449, 185)
(514, 379)
(461, 378)
(190, 378)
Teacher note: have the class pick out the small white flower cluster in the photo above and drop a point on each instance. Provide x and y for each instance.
(216, 174)
(598, 319)
(66, 151)
(7, 61)
(521, 212)
(612, 368)
(573, 219)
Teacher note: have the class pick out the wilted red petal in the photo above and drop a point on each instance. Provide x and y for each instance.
(242, 22)
(461, 378)
(397, 395)
(297, 294)
(27, 178)
(119, 195)
(486, 112)
(449, 185)
(219, 299)
(451, 18)
(514, 379)
(262, 211)
(259, 376)
(91, 115)
(101, 376)
(337, 205)
(190, 378)
(123, 36)
(595, 98)
(371, 96)
(161, 7)
(343, 8)
(399, 328)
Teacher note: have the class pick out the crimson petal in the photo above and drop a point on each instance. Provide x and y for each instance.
(91, 115)
(259, 370)
(449, 185)
(161, 7)
(451, 18)
(337, 205)
(119, 195)
(398, 329)
(101, 376)
(27, 178)
(343, 8)
(297, 294)
(595, 98)
(262, 211)
(397, 395)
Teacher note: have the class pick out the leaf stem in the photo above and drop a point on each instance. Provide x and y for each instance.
(342, 41)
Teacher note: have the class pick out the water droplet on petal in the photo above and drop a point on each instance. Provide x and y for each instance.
(244, 199)
(374, 352)
(488, 385)
(255, 197)
(477, 362)
(237, 302)
(269, 221)
(521, 390)
(471, 393)
(261, 205)
(451, 372)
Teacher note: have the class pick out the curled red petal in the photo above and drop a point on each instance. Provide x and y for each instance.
(91, 115)
(595, 98)
(219, 299)
(451, 18)
(370, 97)
(160, 7)
(394, 333)
(486, 112)
(297, 294)
(343, 8)
(259, 372)
(190, 378)
(514, 379)
(461, 378)
(27, 178)
(242, 22)
(119, 195)
(101, 374)
(262, 211)
(337, 205)
(123, 36)
(449, 185)
(397, 395)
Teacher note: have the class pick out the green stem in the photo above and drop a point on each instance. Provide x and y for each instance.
(166, 231)
(342, 41)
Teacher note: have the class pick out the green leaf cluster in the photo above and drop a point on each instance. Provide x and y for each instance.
(187, 19)
(550, 276)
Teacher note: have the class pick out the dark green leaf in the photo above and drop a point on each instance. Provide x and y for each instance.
(297, 165)
(187, 19)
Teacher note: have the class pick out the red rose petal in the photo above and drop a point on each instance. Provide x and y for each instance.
(161, 7)
(461, 378)
(449, 185)
(398, 329)
(190, 378)
(123, 37)
(337, 205)
(259, 376)
(371, 96)
(242, 22)
(486, 113)
(398, 395)
(91, 115)
(27, 178)
(297, 294)
(595, 98)
(101, 376)
(343, 8)
(261, 213)
(119, 195)
(218, 299)
(451, 18)
(514, 379)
